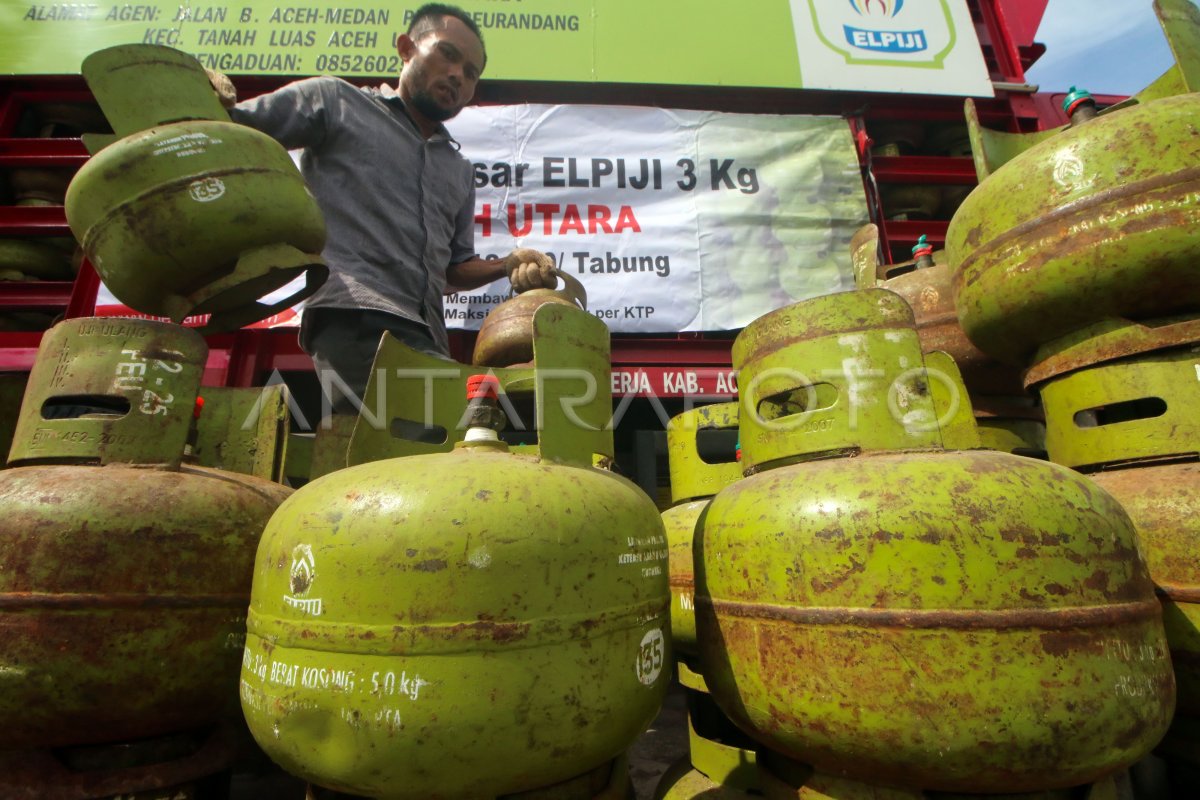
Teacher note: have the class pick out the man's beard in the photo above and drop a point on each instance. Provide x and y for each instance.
(423, 101)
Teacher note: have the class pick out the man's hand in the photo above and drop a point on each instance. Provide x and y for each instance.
(221, 84)
(530, 269)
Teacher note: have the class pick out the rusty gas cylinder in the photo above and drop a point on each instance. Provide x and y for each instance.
(194, 765)
(694, 480)
(506, 336)
(702, 461)
(910, 201)
(1121, 400)
(925, 284)
(467, 624)
(884, 603)
(1119, 392)
(186, 213)
(1096, 221)
(1007, 418)
(124, 575)
(1163, 500)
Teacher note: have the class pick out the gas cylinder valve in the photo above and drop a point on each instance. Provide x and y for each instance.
(1079, 106)
(483, 416)
(923, 253)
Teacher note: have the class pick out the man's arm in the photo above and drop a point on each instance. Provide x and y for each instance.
(473, 273)
(525, 268)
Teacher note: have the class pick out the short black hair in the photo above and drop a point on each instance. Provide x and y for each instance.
(431, 16)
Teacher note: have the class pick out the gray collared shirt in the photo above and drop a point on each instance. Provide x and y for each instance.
(399, 208)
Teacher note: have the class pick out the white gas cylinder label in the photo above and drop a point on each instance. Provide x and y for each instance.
(206, 190)
(650, 657)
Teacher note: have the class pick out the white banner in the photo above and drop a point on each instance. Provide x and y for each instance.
(672, 220)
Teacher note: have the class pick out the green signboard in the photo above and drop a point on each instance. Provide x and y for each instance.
(696, 42)
(921, 46)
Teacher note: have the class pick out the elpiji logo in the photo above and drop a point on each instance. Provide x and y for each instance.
(889, 8)
(885, 37)
(878, 34)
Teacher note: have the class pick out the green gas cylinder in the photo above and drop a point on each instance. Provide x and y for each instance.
(1121, 400)
(925, 284)
(186, 212)
(882, 602)
(1007, 418)
(721, 759)
(33, 259)
(124, 573)
(1095, 221)
(683, 781)
(609, 781)
(414, 402)
(1011, 425)
(467, 624)
(1119, 392)
(1163, 500)
(694, 480)
(786, 780)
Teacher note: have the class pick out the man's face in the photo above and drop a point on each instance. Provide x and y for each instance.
(441, 69)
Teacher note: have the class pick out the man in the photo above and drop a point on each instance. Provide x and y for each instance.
(398, 198)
